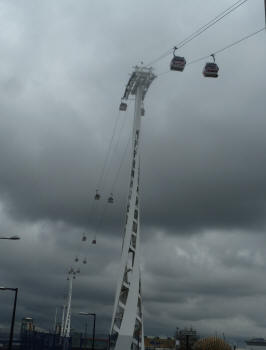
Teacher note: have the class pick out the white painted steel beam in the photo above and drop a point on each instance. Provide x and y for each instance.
(66, 317)
(127, 322)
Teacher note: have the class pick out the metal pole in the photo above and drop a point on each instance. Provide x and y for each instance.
(55, 320)
(93, 335)
(109, 340)
(62, 322)
(86, 328)
(187, 337)
(13, 320)
(80, 341)
(265, 11)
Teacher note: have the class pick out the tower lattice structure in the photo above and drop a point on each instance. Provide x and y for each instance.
(66, 312)
(127, 332)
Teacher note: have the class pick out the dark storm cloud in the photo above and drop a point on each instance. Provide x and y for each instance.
(197, 287)
(208, 174)
(63, 70)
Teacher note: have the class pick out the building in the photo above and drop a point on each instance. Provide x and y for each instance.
(27, 325)
(152, 343)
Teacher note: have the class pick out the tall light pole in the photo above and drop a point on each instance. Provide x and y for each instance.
(94, 322)
(13, 315)
(265, 10)
(12, 238)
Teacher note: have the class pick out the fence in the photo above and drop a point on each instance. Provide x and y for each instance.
(32, 340)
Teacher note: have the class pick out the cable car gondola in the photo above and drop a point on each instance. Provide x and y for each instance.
(93, 241)
(97, 196)
(123, 106)
(211, 69)
(84, 238)
(111, 199)
(177, 63)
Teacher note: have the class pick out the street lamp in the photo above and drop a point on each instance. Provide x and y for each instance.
(94, 321)
(265, 10)
(13, 238)
(13, 315)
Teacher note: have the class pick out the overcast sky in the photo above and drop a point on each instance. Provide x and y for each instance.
(63, 68)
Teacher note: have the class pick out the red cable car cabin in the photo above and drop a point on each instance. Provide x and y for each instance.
(211, 70)
(178, 63)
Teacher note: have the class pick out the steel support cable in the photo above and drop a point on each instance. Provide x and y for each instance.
(108, 152)
(126, 195)
(200, 30)
(211, 23)
(102, 213)
(104, 168)
(228, 46)
(93, 201)
(120, 167)
(115, 179)
(113, 151)
(84, 255)
(115, 148)
(218, 51)
(101, 217)
(117, 175)
(81, 243)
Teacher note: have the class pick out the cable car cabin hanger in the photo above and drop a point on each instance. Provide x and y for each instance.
(177, 63)
(211, 69)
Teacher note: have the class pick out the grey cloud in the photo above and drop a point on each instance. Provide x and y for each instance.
(63, 70)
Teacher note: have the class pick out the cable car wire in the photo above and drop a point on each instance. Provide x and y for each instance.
(116, 145)
(228, 46)
(108, 152)
(218, 51)
(107, 162)
(102, 215)
(200, 30)
(211, 23)
(93, 204)
(120, 167)
(117, 135)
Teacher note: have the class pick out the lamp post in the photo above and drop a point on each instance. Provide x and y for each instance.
(265, 10)
(13, 315)
(94, 322)
(12, 238)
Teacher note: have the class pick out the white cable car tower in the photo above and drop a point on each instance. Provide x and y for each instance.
(127, 321)
(66, 312)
